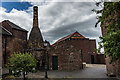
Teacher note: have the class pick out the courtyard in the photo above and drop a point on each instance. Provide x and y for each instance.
(91, 71)
(64, 57)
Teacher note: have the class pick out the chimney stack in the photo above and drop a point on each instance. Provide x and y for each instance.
(35, 16)
(35, 38)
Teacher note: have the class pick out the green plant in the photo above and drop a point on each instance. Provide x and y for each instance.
(110, 20)
(22, 63)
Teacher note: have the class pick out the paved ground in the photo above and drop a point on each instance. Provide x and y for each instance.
(91, 71)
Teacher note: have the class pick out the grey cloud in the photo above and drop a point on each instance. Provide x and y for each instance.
(70, 14)
(65, 12)
(86, 28)
(60, 19)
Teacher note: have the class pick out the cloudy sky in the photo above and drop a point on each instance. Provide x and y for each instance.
(56, 18)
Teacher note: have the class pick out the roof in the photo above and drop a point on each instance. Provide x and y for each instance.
(14, 26)
(5, 31)
(73, 35)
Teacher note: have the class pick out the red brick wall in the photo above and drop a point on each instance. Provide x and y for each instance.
(64, 48)
(20, 34)
(15, 43)
(100, 59)
(0, 50)
(87, 46)
(83, 44)
(113, 68)
(92, 46)
(8, 48)
(118, 68)
(69, 57)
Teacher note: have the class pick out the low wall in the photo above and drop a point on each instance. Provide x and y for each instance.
(113, 69)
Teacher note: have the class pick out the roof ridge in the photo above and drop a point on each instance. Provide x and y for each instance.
(6, 30)
(66, 37)
(16, 26)
(78, 33)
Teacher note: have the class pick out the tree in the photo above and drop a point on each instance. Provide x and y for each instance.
(110, 20)
(22, 63)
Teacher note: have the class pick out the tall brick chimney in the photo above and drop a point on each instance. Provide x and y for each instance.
(35, 38)
(35, 16)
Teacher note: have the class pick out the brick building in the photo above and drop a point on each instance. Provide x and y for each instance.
(70, 51)
(65, 56)
(67, 53)
(0, 51)
(100, 58)
(13, 39)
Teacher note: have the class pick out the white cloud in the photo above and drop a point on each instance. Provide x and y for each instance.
(21, 18)
(2, 9)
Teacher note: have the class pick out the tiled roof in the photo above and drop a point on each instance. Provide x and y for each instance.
(73, 35)
(5, 32)
(12, 25)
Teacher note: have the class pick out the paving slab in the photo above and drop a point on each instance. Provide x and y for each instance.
(91, 71)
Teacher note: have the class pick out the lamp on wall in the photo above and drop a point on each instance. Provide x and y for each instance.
(45, 43)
